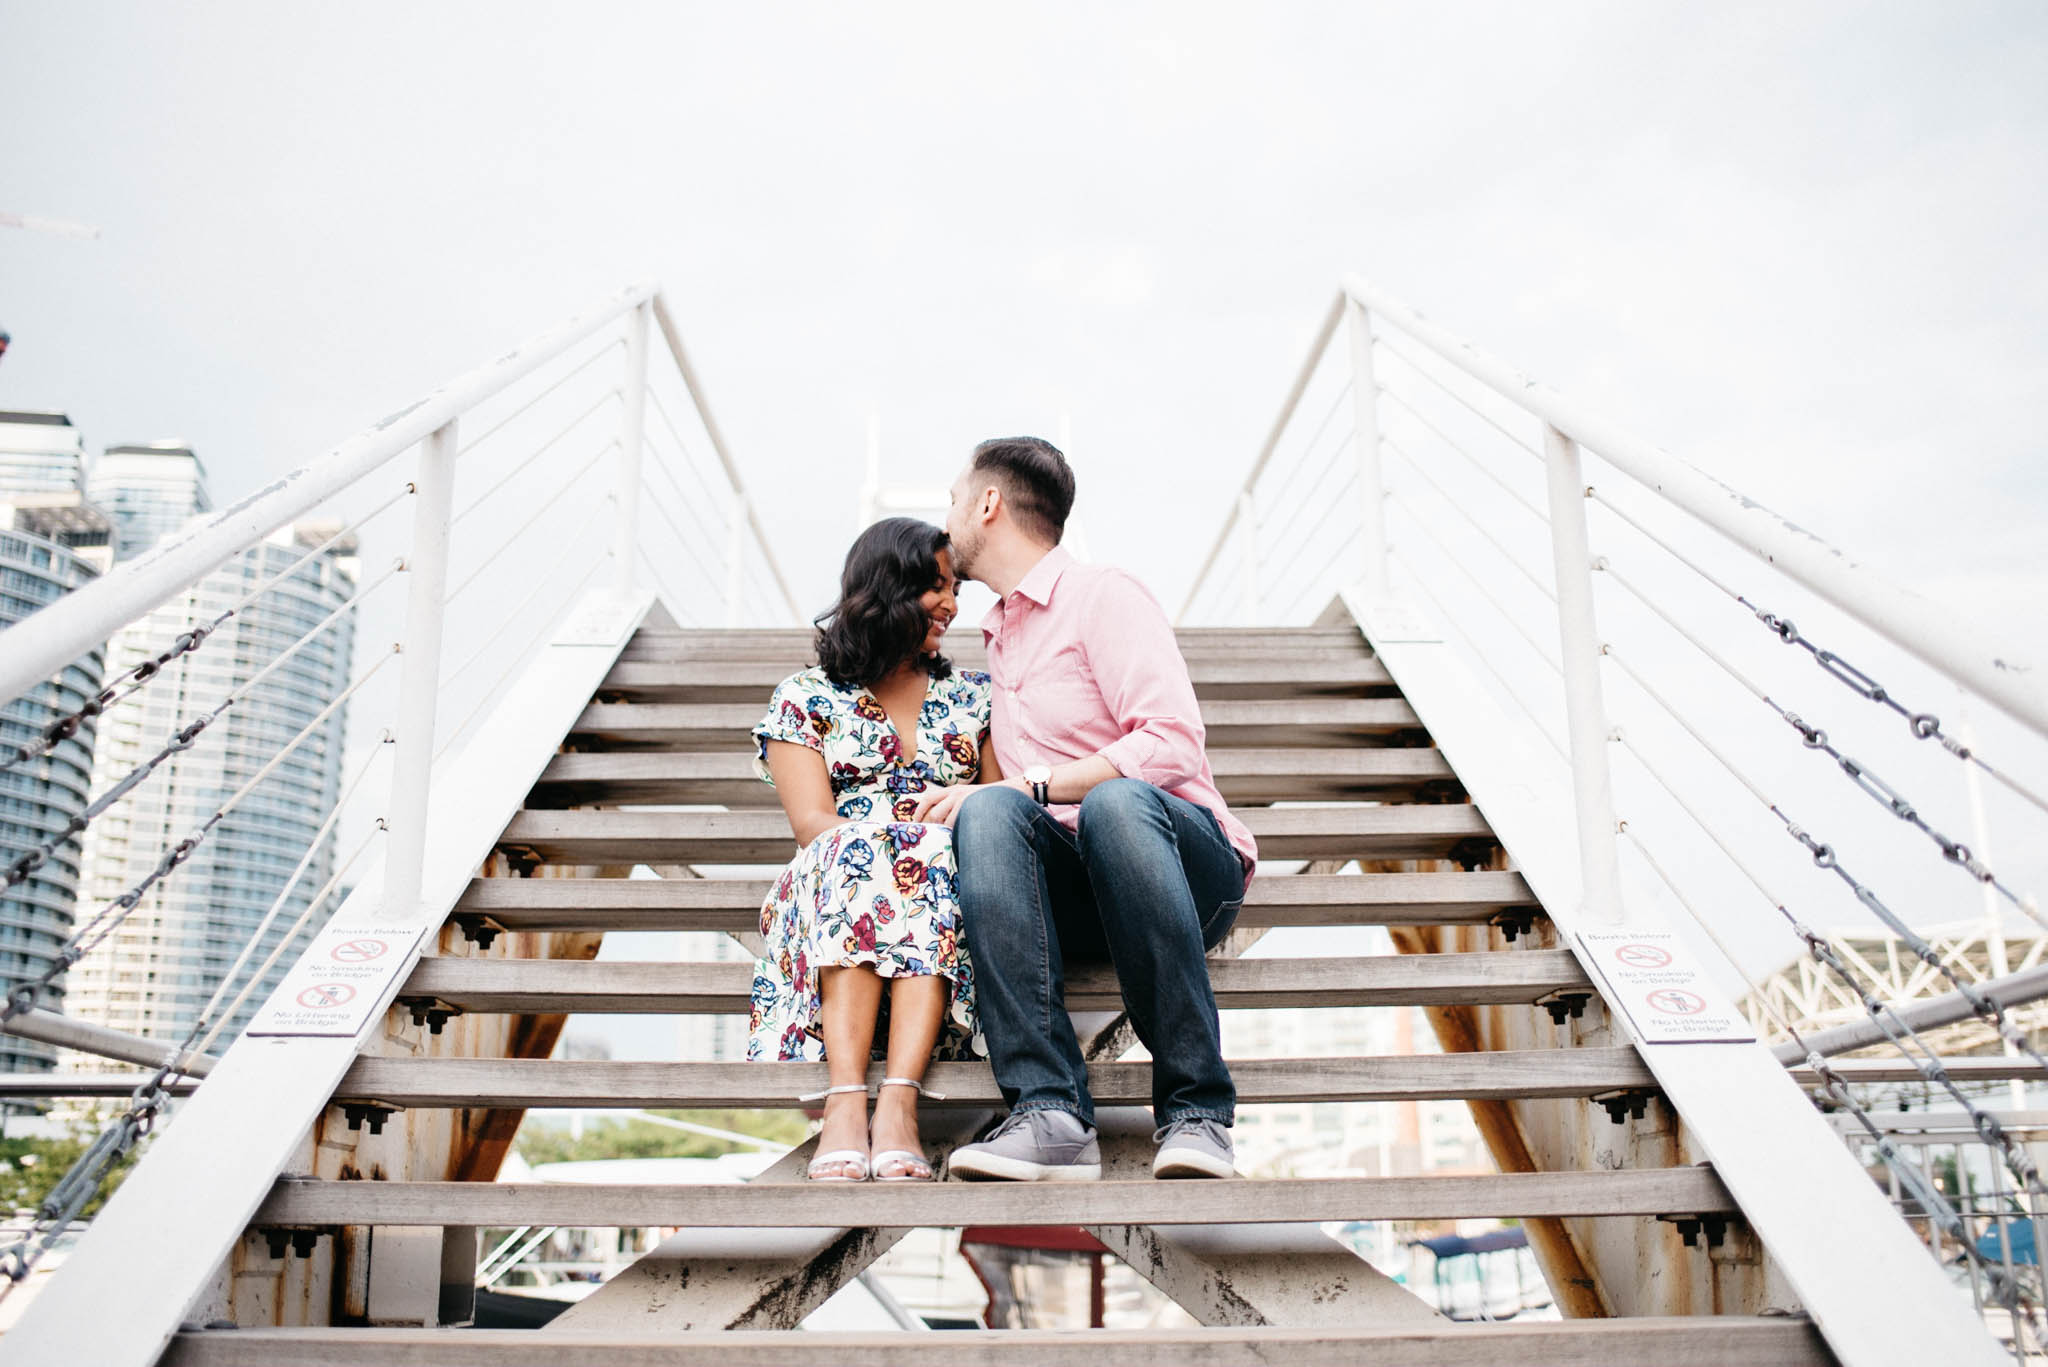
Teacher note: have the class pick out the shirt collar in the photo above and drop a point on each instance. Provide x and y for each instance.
(1036, 585)
(1039, 582)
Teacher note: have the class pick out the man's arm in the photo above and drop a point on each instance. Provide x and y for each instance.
(1144, 681)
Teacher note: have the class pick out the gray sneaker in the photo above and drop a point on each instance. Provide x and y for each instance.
(1193, 1148)
(1032, 1146)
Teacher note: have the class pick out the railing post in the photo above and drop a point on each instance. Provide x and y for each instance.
(1372, 487)
(419, 686)
(735, 558)
(1585, 710)
(625, 541)
(1248, 588)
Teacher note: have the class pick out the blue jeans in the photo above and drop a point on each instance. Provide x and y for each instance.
(1148, 884)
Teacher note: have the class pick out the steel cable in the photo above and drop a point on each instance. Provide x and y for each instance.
(542, 508)
(184, 739)
(1953, 852)
(67, 726)
(526, 407)
(1924, 725)
(505, 480)
(1546, 590)
(1455, 396)
(1513, 619)
(1514, 694)
(1510, 490)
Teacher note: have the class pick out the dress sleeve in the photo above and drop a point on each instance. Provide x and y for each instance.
(793, 716)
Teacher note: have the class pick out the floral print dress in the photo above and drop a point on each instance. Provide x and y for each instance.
(879, 889)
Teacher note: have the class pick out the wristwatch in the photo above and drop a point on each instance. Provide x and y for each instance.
(1039, 776)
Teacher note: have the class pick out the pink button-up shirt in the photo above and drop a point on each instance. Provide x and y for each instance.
(1085, 663)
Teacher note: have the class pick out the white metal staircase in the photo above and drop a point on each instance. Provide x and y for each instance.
(323, 1192)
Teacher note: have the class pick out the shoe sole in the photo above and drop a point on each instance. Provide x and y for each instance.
(994, 1167)
(1175, 1164)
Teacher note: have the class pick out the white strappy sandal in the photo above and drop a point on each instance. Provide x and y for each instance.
(921, 1167)
(849, 1158)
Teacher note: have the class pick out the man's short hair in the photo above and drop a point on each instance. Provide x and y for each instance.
(1035, 479)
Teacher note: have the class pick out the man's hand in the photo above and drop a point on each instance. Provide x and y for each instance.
(939, 806)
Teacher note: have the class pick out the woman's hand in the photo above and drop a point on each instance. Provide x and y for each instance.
(938, 806)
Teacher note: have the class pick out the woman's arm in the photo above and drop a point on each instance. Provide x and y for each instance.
(991, 772)
(804, 787)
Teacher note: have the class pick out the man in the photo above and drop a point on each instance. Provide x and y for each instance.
(1106, 840)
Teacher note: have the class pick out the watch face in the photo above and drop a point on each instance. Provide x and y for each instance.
(1038, 773)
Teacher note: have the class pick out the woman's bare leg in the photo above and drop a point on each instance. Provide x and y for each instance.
(917, 1007)
(849, 998)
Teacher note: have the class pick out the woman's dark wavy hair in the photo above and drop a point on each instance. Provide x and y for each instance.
(878, 622)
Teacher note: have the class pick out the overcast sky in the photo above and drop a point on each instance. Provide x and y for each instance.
(1801, 245)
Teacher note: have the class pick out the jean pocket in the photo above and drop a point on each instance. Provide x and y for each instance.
(1218, 923)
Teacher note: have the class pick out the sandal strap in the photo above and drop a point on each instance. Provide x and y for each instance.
(922, 1090)
(834, 1091)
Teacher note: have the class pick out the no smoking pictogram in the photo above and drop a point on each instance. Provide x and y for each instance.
(1643, 956)
(1672, 1002)
(357, 951)
(327, 996)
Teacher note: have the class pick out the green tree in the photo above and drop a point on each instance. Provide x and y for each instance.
(30, 1167)
(613, 1137)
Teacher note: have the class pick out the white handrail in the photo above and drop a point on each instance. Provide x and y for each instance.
(732, 473)
(52, 638)
(1923, 628)
(1316, 348)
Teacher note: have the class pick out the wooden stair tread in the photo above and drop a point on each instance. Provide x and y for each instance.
(1673, 1341)
(794, 643)
(711, 726)
(752, 680)
(540, 1083)
(950, 1204)
(547, 985)
(1395, 831)
(726, 777)
(1448, 898)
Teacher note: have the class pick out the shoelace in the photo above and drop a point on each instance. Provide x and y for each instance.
(1210, 1130)
(1014, 1120)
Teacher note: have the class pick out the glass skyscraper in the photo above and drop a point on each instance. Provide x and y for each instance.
(51, 541)
(40, 453)
(159, 969)
(149, 491)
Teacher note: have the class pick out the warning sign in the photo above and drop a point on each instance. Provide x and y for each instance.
(1642, 956)
(326, 996)
(343, 977)
(1651, 976)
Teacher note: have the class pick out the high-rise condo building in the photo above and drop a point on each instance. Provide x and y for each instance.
(149, 491)
(51, 541)
(40, 453)
(161, 966)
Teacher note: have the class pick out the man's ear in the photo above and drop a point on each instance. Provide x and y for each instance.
(991, 503)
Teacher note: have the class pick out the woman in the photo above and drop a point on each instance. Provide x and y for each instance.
(863, 926)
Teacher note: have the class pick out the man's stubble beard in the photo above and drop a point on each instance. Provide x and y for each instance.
(966, 550)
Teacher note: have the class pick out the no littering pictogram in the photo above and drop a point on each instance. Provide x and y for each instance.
(357, 951)
(1643, 956)
(1672, 1002)
(327, 996)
